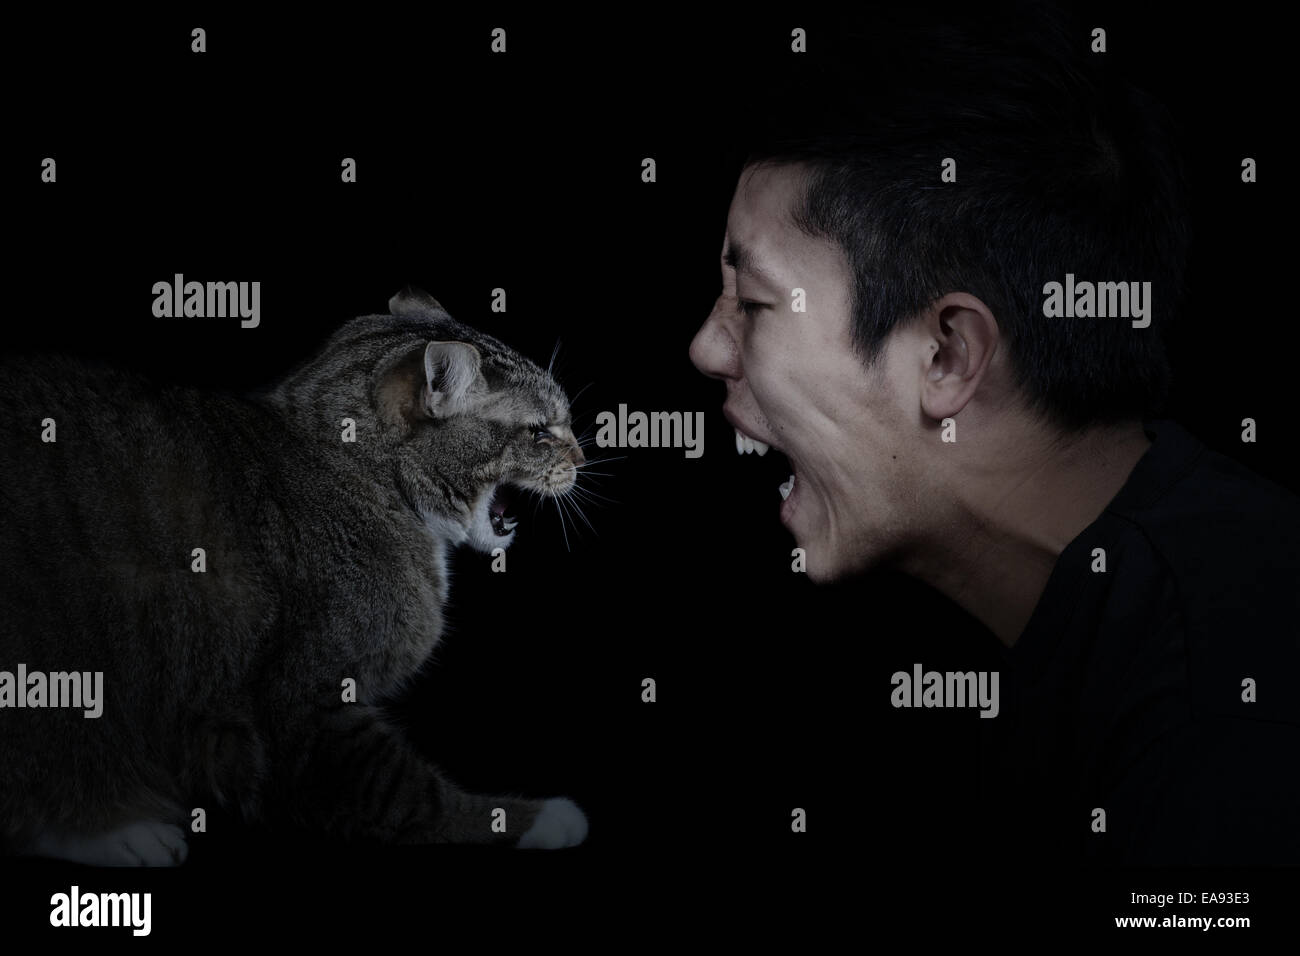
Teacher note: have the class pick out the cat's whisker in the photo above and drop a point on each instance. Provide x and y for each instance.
(594, 477)
(601, 461)
(598, 504)
(589, 495)
(577, 509)
(584, 438)
(574, 401)
(563, 525)
(550, 366)
(566, 506)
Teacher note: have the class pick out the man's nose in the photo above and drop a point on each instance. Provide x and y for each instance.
(713, 350)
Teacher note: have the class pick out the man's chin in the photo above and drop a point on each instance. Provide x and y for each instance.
(825, 565)
(823, 574)
(811, 561)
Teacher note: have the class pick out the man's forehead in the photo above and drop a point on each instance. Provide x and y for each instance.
(760, 231)
(763, 200)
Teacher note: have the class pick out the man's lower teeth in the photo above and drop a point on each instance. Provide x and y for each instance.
(786, 487)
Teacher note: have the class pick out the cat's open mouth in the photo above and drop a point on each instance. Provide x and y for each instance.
(500, 515)
(494, 518)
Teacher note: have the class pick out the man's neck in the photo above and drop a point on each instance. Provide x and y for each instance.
(1016, 516)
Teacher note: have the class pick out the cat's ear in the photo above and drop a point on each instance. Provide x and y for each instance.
(414, 302)
(434, 380)
(451, 369)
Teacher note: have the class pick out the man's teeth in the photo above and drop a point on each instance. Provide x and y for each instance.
(745, 445)
(786, 487)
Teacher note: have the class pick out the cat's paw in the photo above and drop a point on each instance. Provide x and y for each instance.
(559, 824)
(147, 843)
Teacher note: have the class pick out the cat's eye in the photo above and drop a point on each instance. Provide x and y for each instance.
(541, 433)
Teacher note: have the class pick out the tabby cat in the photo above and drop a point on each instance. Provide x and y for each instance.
(323, 559)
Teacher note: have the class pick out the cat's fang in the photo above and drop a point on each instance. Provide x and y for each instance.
(786, 487)
(740, 443)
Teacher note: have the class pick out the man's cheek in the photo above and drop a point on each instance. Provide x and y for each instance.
(767, 343)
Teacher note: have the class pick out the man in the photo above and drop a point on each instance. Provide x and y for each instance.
(887, 322)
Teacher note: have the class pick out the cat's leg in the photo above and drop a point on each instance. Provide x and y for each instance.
(227, 759)
(561, 823)
(145, 843)
(551, 824)
(360, 778)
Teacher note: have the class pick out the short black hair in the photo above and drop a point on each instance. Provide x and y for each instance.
(1063, 166)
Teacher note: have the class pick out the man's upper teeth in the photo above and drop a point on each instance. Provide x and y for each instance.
(786, 487)
(745, 444)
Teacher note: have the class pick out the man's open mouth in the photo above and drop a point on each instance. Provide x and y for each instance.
(746, 445)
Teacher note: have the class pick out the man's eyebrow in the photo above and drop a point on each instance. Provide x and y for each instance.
(740, 258)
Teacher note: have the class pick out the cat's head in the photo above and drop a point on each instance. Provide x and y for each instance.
(476, 424)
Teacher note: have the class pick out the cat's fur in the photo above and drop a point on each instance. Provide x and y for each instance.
(325, 560)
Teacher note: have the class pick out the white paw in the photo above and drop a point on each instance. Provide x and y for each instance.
(148, 843)
(559, 824)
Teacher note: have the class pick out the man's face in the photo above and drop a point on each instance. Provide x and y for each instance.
(794, 381)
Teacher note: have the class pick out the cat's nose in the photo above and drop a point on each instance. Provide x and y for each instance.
(576, 456)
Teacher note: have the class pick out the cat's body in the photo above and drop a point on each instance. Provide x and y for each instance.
(325, 560)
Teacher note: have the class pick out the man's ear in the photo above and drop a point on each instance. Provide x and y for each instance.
(451, 370)
(963, 336)
(414, 303)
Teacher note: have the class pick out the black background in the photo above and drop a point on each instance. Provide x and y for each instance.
(522, 171)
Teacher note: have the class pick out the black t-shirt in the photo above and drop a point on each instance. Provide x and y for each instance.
(1130, 690)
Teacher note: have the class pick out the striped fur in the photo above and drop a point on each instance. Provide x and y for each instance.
(326, 560)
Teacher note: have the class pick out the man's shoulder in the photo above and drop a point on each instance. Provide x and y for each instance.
(1187, 492)
(1225, 532)
(1223, 545)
